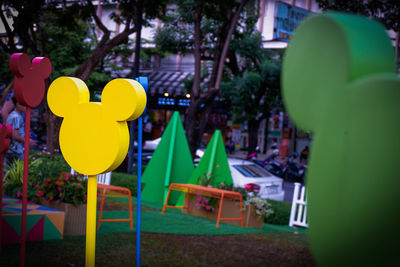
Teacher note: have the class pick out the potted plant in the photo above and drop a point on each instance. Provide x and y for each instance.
(256, 209)
(68, 193)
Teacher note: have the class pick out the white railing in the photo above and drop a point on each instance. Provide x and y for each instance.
(104, 178)
(298, 214)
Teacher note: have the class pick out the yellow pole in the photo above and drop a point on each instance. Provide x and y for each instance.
(91, 221)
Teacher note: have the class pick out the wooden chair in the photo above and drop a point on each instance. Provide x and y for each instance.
(103, 185)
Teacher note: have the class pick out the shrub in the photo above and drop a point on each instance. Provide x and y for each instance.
(13, 180)
(281, 213)
(44, 165)
(125, 180)
(14, 172)
(230, 187)
(66, 188)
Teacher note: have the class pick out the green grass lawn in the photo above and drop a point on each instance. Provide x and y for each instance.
(172, 239)
(279, 217)
(119, 249)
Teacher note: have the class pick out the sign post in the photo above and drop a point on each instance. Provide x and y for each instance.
(29, 88)
(101, 143)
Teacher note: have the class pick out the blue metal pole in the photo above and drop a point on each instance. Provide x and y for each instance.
(144, 82)
(139, 190)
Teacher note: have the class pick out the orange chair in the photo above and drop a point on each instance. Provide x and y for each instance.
(205, 191)
(103, 184)
(115, 189)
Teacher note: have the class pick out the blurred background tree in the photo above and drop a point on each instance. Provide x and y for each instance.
(205, 28)
(386, 12)
(66, 32)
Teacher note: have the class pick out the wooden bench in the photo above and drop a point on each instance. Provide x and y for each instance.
(205, 191)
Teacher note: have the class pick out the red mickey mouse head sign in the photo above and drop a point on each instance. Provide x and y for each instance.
(29, 84)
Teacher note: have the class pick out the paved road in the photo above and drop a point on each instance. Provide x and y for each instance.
(289, 188)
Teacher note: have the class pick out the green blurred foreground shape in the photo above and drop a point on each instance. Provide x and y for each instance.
(340, 82)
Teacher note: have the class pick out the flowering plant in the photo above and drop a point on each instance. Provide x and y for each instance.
(66, 188)
(206, 203)
(263, 208)
(230, 187)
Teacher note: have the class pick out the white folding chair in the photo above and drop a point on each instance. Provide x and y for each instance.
(298, 213)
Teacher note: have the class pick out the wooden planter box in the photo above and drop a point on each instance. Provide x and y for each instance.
(230, 209)
(75, 216)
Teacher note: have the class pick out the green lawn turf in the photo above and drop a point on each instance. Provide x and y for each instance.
(175, 222)
(161, 244)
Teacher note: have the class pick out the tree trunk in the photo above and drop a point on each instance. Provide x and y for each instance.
(197, 118)
(191, 123)
(228, 38)
(52, 130)
(253, 126)
(104, 46)
(136, 66)
(191, 127)
(85, 69)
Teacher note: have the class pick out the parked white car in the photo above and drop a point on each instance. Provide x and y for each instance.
(150, 145)
(256, 179)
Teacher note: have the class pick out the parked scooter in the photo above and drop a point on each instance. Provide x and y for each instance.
(271, 165)
(275, 168)
(295, 172)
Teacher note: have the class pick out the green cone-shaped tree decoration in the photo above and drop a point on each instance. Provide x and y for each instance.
(171, 163)
(213, 165)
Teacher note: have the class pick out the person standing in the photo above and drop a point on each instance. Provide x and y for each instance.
(8, 106)
(17, 122)
(304, 155)
(148, 127)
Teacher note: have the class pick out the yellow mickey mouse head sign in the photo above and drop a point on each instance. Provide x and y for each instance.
(94, 137)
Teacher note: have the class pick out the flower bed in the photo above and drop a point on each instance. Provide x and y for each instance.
(66, 187)
(66, 193)
(230, 209)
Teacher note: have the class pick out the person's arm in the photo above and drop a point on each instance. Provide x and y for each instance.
(6, 109)
(17, 137)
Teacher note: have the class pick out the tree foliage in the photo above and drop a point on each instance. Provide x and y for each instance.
(65, 32)
(205, 28)
(254, 94)
(255, 87)
(387, 12)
